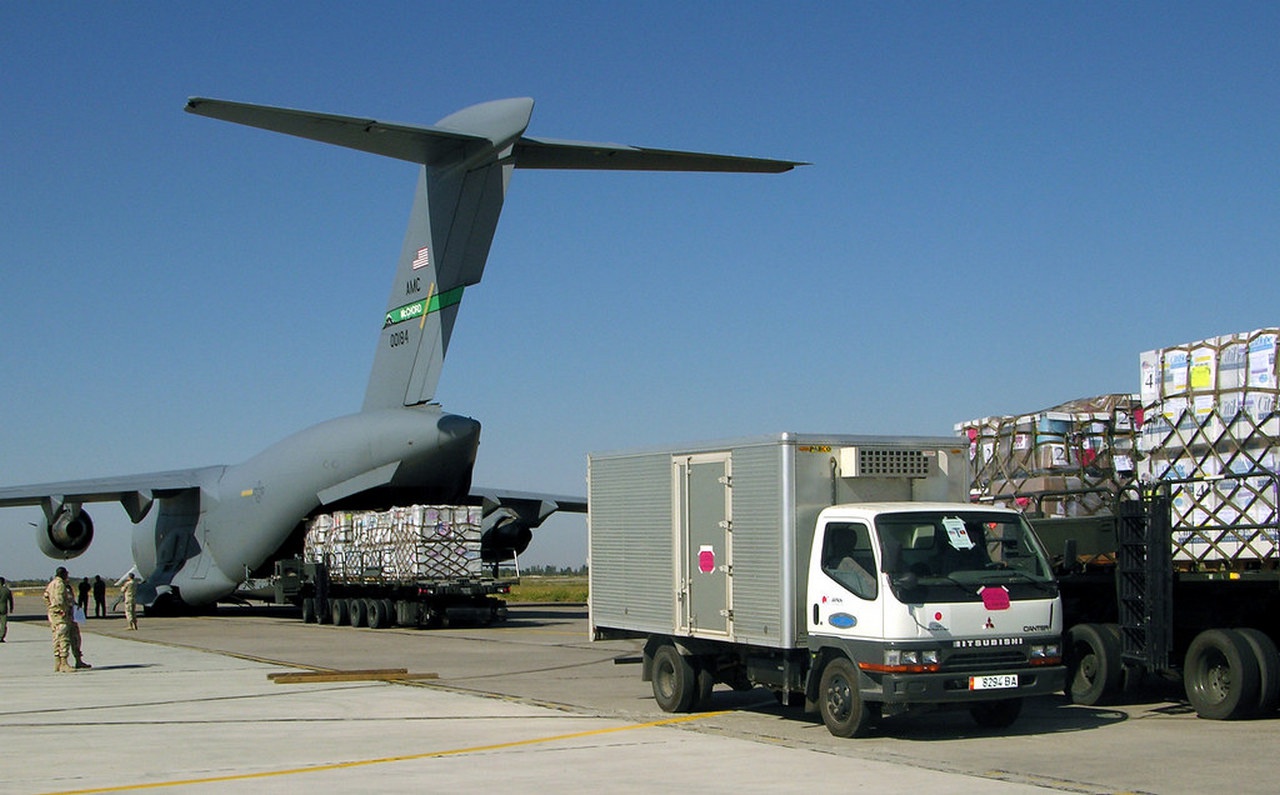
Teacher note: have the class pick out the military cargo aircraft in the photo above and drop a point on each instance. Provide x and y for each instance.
(198, 533)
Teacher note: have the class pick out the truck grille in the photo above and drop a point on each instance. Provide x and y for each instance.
(980, 660)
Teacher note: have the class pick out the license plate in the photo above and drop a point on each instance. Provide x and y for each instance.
(1001, 682)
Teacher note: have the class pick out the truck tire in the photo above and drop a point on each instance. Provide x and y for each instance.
(340, 611)
(376, 613)
(843, 710)
(1268, 658)
(309, 610)
(1093, 664)
(674, 679)
(996, 714)
(389, 605)
(359, 612)
(1221, 675)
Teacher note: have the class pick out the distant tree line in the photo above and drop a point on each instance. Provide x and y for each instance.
(554, 571)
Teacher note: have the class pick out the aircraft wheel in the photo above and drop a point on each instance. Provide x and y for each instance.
(309, 610)
(359, 612)
(1221, 675)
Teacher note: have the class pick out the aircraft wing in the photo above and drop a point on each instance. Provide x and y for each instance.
(527, 503)
(134, 492)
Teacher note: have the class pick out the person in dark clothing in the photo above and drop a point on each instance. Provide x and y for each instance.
(99, 597)
(83, 601)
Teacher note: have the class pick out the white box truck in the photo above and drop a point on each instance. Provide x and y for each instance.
(846, 573)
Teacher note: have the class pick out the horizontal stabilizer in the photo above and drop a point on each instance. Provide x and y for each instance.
(547, 153)
(486, 124)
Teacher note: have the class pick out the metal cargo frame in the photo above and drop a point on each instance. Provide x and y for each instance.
(639, 547)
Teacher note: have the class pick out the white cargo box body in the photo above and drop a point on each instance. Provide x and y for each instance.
(712, 540)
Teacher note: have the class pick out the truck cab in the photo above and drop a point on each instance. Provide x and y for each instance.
(929, 603)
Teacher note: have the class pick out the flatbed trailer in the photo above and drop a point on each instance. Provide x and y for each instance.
(1136, 603)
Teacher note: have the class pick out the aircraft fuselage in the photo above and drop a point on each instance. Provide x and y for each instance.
(200, 545)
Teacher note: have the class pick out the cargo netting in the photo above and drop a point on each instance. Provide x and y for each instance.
(418, 542)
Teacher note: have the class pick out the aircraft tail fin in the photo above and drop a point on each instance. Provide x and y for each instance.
(466, 161)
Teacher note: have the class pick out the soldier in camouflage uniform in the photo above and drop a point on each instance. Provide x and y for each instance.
(129, 593)
(60, 604)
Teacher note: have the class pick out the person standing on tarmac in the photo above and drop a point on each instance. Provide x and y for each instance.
(129, 593)
(60, 605)
(6, 606)
(99, 597)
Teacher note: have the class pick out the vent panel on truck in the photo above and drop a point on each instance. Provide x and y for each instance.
(882, 462)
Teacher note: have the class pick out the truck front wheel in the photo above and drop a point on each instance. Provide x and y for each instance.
(843, 710)
(674, 680)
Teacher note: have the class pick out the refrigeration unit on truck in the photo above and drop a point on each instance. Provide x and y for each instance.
(844, 573)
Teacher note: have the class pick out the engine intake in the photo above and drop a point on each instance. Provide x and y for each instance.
(68, 535)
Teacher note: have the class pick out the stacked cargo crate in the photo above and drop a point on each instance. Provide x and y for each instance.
(412, 543)
(1212, 431)
(1068, 460)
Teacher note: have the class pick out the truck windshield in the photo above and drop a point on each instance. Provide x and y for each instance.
(965, 548)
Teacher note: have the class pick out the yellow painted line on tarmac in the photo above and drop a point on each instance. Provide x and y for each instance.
(389, 759)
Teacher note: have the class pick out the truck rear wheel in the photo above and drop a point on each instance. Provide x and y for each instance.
(1221, 675)
(674, 680)
(843, 710)
(1093, 663)
(359, 612)
(377, 613)
(1264, 651)
(308, 610)
(340, 611)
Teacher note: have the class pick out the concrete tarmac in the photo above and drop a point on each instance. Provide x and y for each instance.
(185, 704)
(170, 719)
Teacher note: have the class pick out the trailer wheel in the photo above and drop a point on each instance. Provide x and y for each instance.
(1264, 651)
(996, 714)
(359, 612)
(309, 610)
(389, 606)
(1093, 664)
(674, 679)
(1221, 675)
(843, 710)
(340, 611)
(377, 613)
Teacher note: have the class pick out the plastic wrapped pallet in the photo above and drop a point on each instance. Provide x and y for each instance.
(1061, 461)
(1211, 420)
(413, 543)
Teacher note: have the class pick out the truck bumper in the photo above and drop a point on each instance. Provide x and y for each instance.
(956, 686)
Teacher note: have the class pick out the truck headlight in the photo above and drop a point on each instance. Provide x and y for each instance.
(1045, 653)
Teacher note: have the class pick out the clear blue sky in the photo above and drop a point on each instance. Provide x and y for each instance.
(1008, 202)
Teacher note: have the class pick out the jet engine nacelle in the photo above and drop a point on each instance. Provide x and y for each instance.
(507, 535)
(68, 535)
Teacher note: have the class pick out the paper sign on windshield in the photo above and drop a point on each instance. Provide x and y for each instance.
(956, 533)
